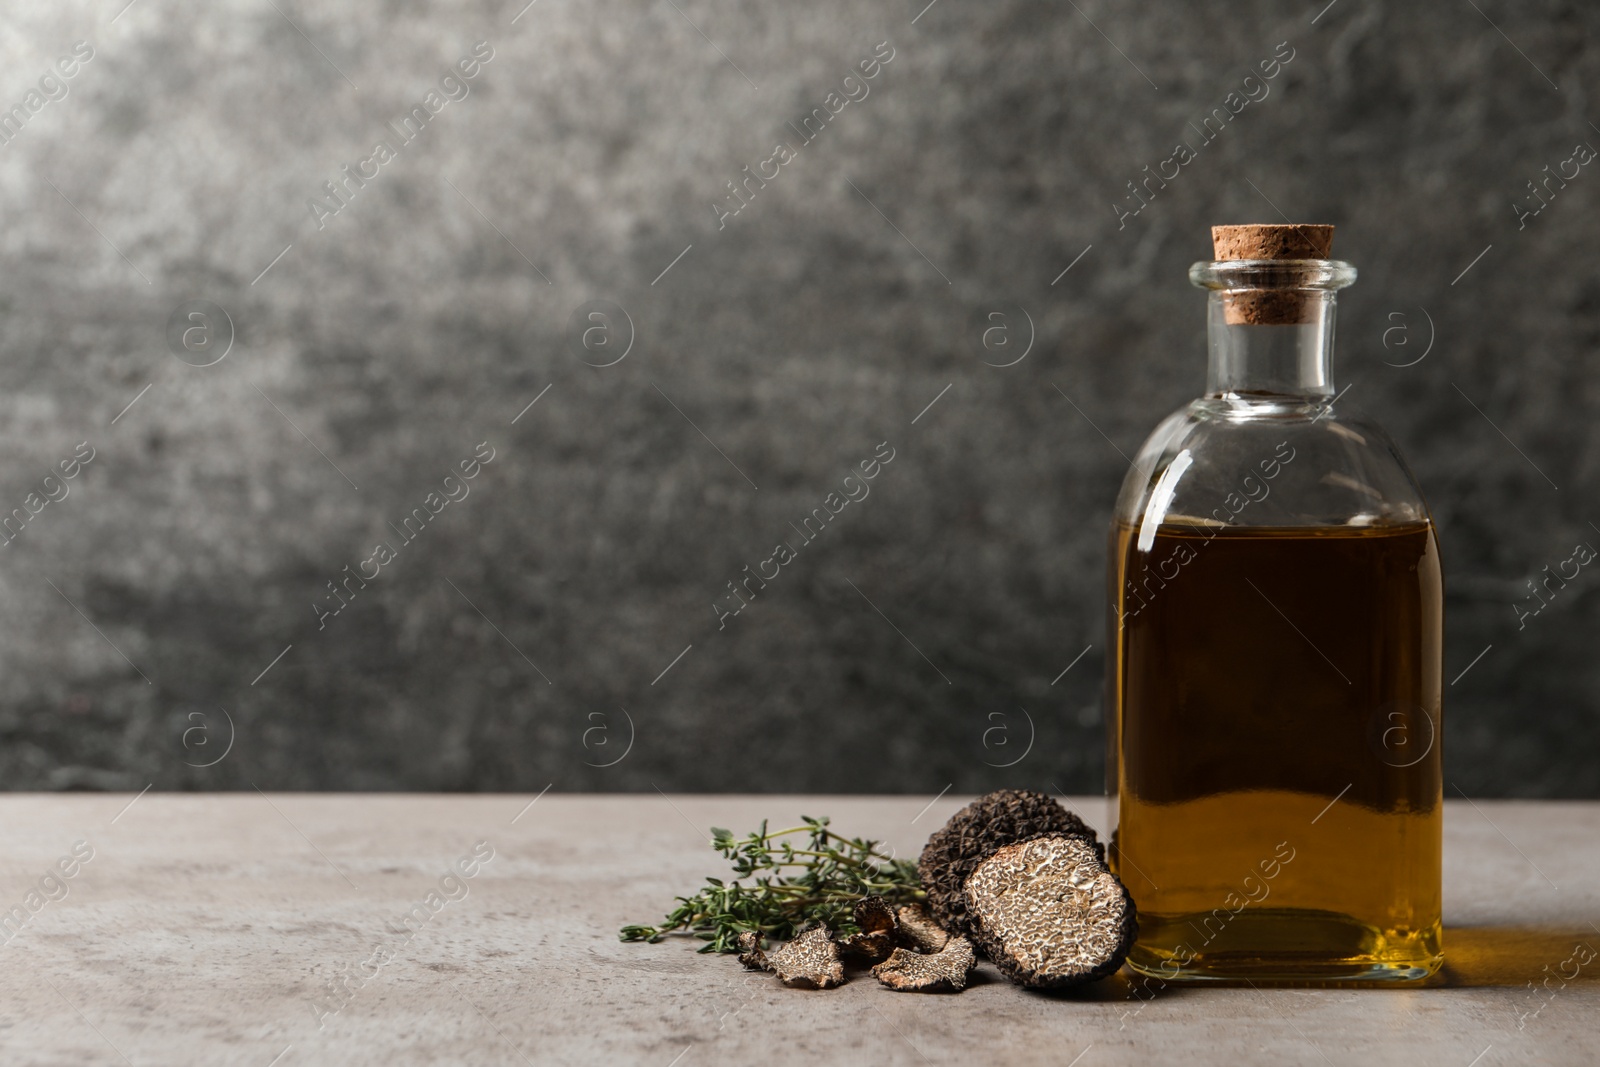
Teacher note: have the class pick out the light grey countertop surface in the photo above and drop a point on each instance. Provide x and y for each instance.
(213, 929)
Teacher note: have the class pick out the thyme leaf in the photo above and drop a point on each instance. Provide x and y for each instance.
(785, 879)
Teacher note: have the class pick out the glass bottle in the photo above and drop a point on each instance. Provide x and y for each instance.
(1274, 677)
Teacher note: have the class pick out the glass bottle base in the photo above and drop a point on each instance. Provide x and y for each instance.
(1277, 945)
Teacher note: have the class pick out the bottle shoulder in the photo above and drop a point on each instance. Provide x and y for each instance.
(1222, 461)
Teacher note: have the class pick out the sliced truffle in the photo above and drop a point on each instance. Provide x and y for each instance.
(878, 926)
(810, 961)
(1049, 913)
(991, 821)
(752, 957)
(917, 929)
(945, 971)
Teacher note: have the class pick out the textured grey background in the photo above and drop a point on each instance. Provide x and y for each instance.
(819, 322)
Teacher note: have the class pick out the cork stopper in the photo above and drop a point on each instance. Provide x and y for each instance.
(1272, 241)
(1275, 306)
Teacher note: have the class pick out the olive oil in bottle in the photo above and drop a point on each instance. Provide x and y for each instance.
(1274, 683)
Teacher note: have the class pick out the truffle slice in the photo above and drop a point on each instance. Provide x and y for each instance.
(878, 928)
(810, 961)
(993, 820)
(1049, 913)
(752, 957)
(945, 971)
(918, 930)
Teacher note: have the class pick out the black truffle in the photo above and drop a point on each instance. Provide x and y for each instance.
(879, 931)
(993, 820)
(945, 971)
(1049, 913)
(810, 961)
(918, 931)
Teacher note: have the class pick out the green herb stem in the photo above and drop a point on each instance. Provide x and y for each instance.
(792, 887)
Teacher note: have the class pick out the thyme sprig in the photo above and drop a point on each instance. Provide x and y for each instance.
(789, 887)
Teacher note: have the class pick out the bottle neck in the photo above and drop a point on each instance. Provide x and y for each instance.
(1259, 362)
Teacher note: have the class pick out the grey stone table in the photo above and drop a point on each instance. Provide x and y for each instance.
(275, 930)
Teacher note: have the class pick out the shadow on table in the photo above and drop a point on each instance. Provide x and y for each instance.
(1514, 956)
(1124, 985)
(1545, 959)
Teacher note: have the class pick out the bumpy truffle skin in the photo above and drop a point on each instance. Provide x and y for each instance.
(990, 822)
(945, 971)
(1049, 913)
(810, 961)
